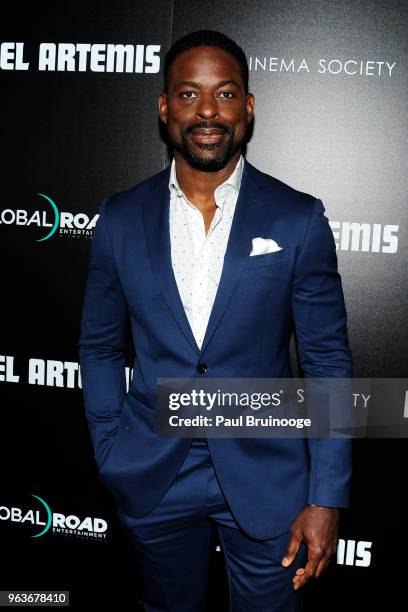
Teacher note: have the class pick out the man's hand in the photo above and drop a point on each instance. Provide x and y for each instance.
(318, 527)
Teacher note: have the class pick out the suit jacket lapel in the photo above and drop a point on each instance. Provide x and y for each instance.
(157, 229)
(246, 224)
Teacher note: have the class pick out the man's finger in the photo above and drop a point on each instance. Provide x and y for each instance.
(309, 571)
(291, 551)
(325, 560)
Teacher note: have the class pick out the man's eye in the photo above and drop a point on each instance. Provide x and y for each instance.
(185, 93)
(191, 94)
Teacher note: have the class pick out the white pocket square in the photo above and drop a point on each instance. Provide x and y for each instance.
(260, 246)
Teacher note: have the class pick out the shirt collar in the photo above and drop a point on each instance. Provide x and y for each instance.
(233, 181)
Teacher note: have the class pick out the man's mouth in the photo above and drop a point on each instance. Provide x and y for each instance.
(208, 135)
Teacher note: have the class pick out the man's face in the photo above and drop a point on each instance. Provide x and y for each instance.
(206, 110)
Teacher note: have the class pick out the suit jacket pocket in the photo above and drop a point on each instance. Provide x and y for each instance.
(267, 259)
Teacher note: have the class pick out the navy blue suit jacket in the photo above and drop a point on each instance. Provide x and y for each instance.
(131, 288)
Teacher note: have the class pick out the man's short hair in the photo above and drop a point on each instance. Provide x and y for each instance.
(210, 38)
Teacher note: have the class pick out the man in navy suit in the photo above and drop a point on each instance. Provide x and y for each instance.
(184, 263)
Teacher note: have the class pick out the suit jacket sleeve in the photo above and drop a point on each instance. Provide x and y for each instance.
(321, 326)
(103, 341)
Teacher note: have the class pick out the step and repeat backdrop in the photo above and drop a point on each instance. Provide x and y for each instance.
(80, 85)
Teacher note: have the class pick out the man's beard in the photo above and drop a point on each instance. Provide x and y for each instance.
(224, 150)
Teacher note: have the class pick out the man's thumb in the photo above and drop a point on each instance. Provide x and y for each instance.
(291, 552)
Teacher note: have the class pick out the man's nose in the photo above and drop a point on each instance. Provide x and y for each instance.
(207, 106)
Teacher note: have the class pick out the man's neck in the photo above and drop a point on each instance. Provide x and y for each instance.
(199, 186)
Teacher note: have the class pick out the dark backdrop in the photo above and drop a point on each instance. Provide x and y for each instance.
(77, 134)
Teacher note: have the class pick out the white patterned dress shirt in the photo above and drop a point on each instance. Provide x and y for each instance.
(197, 257)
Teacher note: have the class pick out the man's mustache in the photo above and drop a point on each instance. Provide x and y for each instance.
(207, 126)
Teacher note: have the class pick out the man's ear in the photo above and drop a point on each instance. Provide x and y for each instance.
(163, 107)
(250, 104)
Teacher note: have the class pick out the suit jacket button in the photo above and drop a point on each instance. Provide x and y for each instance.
(202, 368)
